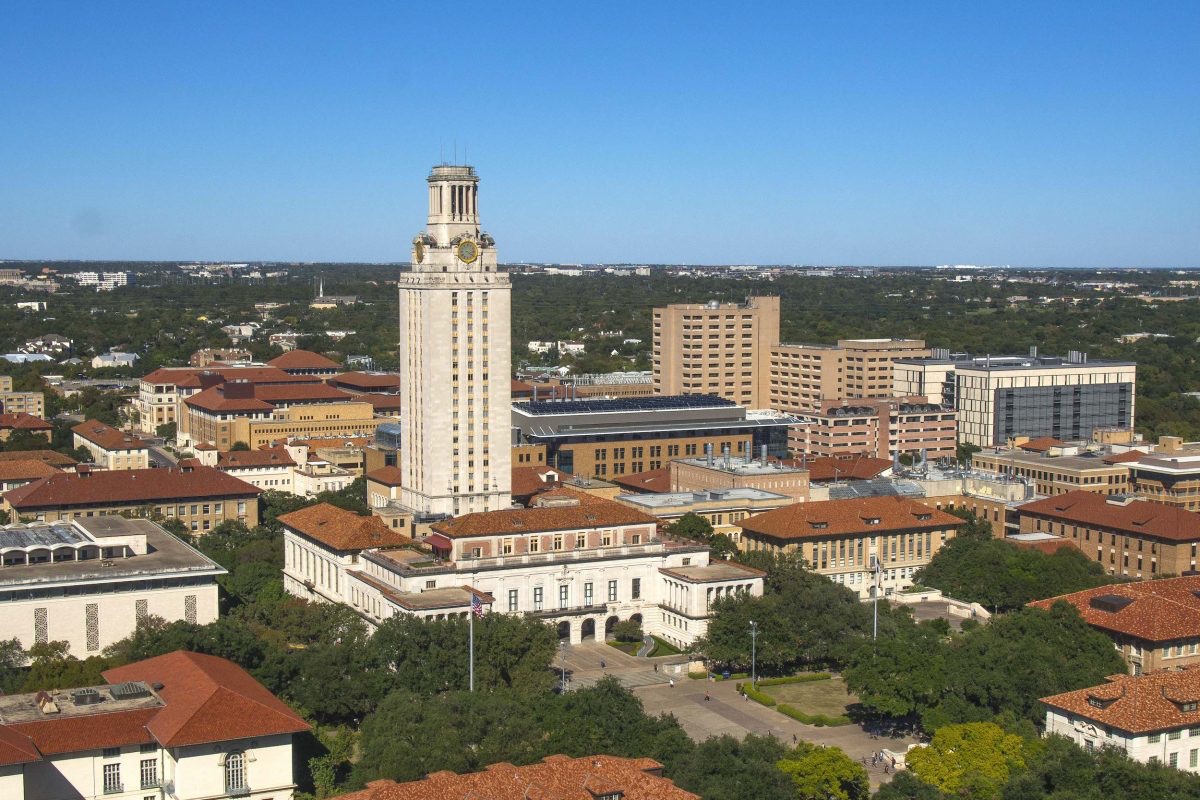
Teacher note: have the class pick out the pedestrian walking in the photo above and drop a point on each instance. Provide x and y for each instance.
(794, 740)
(706, 697)
(603, 665)
(672, 682)
(656, 667)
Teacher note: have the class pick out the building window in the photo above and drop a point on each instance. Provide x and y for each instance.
(235, 773)
(587, 594)
(636, 590)
(537, 598)
(563, 594)
(1154, 738)
(512, 599)
(558, 542)
(612, 591)
(580, 540)
(533, 544)
(112, 779)
(149, 773)
(1173, 735)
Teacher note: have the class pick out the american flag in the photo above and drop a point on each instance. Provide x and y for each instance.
(476, 605)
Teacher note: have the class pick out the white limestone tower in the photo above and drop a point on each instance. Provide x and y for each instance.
(455, 400)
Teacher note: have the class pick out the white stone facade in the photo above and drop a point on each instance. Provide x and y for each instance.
(1178, 747)
(455, 359)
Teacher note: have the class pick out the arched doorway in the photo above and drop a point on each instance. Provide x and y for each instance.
(588, 629)
(564, 630)
(609, 624)
(636, 618)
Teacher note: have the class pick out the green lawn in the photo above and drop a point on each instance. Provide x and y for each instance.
(663, 648)
(815, 697)
(626, 647)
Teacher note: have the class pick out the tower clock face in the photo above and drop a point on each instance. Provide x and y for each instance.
(419, 250)
(468, 251)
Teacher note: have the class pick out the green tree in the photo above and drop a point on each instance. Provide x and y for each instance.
(168, 431)
(53, 667)
(627, 631)
(691, 526)
(239, 446)
(907, 786)
(727, 768)
(824, 773)
(976, 759)
(12, 661)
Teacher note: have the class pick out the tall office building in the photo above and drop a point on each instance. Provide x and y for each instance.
(805, 376)
(455, 393)
(716, 348)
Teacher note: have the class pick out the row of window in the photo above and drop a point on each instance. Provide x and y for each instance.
(564, 595)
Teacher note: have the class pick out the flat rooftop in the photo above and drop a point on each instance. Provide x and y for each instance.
(667, 500)
(653, 403)
(451, 597)
(71, 703)
(716, 571)
(1034, 536)
(166, 555)
(1080, 462)
(1015, 362)
(741, 466)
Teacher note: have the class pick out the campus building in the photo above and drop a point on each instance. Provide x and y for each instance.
(610, 438)
(111, 448)
(1153, 717)
(1057, 470)
(999, 398)
(725, 472)
(1170, 475)
(574, 560)
(13, 402)
(879, 428)
(844, 539)
(454, 356)
(1155, 625)
(714, 348)
(804, 376)
(722, 508)
(183, 726)
(1126, 535)
(88, 581)
(200, 497)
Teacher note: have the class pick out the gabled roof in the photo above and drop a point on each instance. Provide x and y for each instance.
(213, 399)
(51, 457)
(54, 736)
(1137, 704)
(380, 402)
(859, 468)
(107, 437)
(244, 459)
(16, 748)
(555, 778)
(29, 469)
(108, 487)
(1041, 445)
(208, 699)
(1138, 517)
(303, 359)
(589, 512)
(20, 421)
(527, 480)
(843, 517)
(342, 530)
(653, 481)
(1153, 611)
(1128, 457)
(388, 476)
(367, 381)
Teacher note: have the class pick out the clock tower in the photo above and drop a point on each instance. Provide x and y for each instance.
(455, 390)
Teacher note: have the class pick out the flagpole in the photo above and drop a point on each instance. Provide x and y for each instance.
(471, 657)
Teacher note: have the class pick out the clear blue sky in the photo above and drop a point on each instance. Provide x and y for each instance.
(1057, 134)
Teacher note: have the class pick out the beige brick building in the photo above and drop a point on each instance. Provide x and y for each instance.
(802, 376)
(716, 348)
(12, 402)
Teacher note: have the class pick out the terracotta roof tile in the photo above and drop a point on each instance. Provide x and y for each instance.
(30, 469)
(189, 376)
(527, 481)
(588, 512)
(16, 748)
(341, 529)
(51, 457)
(388, 476)
(653, 481)
(842, 517)
(381, 402)
(1158, 611)
(107, 487)
(244, 459)
(859, 468)
(90, 732)
(208, 699)
(1137, 703)
(367, 381)
(109, 438)
(1041, 445)
(1127, 457)
(213, 399)
(21, 421)
(1138, 517)
(303, 359)
(555, 778)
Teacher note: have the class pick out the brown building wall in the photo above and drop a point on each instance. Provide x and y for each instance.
(617, 457)
(1126, 553)
(1051, 477)
(697, 478)
(199, 516)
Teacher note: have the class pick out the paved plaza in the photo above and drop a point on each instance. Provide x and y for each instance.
(725, 712)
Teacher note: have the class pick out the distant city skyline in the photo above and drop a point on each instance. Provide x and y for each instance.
(1057, 136)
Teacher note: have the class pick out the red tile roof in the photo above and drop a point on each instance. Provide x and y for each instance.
(366, 381)
(302, 392)
(527, 481)
(859, 468)
(214, 400)
(555, 778)
(589, 512)
(1137, 517)
(16, 748)
(303, 359)
(388, 476)
(244, 459)
(21, 421)
(189, 377)
(1159, 611)
(653, 481)
(1127, 457)
(51, 457)
(53, 736)
(844, 517)
(107, 437)
(208, 699)
(381, 402)
(1041, 445)
(29, 469)
(1137, 704)
(341, 529)
(113, 487)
